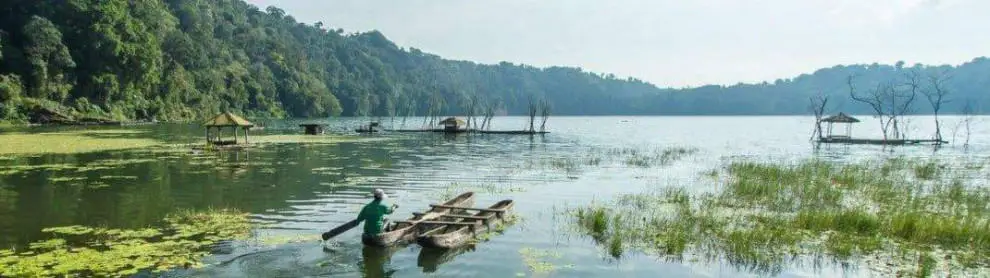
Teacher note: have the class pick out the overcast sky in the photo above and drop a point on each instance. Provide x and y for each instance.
(672, 43)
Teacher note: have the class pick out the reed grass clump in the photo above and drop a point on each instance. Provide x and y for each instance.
(768, 214)
(927, 171)
(631, 157)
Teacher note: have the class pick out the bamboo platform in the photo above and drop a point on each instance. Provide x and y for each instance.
(895, 142)
(441, 130)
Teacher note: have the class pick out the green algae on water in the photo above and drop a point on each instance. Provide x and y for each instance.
(71, 142)
(300, 138)
(538, 261)
(89, 251)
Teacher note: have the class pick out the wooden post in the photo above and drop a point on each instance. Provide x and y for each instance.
(246, 135)
(207, 135)
(234, 129)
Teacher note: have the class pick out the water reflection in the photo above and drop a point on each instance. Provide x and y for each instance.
(375, 261)
(431, 258)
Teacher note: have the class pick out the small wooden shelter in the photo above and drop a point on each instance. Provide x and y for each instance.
(226, 120)
(840, 118)
(313, 129)
(452, 124)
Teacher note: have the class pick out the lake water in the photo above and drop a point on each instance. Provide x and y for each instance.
(301, 190)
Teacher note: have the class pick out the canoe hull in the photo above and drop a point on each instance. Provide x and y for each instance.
(450, 236)
(405, 233)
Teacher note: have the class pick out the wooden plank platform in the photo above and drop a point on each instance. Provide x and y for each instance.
(472, 223)
(457, 216)
(863, 141)
(467, 208)
(440, 130)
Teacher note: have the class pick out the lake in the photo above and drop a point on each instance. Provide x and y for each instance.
(296, 191)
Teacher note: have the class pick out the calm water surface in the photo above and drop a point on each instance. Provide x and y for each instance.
(300, 190)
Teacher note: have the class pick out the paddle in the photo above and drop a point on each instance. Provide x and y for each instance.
(341, 229)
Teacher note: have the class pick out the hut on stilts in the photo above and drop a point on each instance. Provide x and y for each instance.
(841, 118)
(223, 121)
(453, 124)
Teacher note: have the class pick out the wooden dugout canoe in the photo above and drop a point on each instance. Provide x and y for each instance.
(455, 234)
(405, 231)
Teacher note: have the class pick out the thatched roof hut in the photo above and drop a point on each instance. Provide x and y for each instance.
(452, 123)
(225, 120)
(840, 118)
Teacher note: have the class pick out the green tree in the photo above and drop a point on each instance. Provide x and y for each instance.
(49, 61)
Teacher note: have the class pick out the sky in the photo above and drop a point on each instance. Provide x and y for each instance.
(671, 43)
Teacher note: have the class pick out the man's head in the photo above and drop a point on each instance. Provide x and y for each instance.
(380, 194)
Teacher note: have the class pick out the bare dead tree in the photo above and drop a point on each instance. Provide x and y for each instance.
(472, 112)
(936, 93)
(890, 102)
(410, 111)
(901, 99)
(392, 104)
(545, 113)
(532, 115)
(874, 99)
(489, 114)
(817, 106)
(966, 122)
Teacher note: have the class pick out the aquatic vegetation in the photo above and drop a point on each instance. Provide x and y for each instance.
(69, 142)
(498, 229)
(595, 220)
(927, 171)
(563, 163)
(284, 239)
(66, 179)
(635, 157)
(89, 251)
(300, 138)
(767, 215)
(453, 189)
(538, 261)
(96, 185)
(22, 169)
(112, 177)
(110, 163)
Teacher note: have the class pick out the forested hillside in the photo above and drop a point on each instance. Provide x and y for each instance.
(186, 59)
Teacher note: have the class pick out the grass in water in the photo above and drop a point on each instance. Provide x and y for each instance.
(88, 251)
(927, 171)
(633, 157)
(767, 215)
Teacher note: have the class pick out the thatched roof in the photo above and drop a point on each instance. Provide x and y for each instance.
(228, 119)
(453, 121)
(840, 118)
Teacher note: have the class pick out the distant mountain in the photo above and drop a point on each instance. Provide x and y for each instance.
(966, 83)
(187, 59)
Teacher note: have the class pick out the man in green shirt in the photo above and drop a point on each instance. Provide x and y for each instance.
(373, 214)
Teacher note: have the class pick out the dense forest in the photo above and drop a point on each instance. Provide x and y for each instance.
(174, 60)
